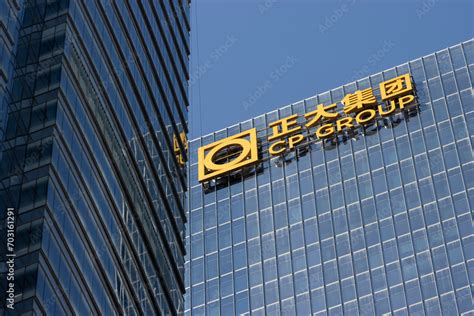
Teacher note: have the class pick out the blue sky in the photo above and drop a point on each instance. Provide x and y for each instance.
(249, 57)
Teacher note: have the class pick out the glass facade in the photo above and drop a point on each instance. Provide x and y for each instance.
(94, 96)
(10, 15)
(374, 225)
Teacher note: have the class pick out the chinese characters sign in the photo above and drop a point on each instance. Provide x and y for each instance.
(359, 110)
(177, 149)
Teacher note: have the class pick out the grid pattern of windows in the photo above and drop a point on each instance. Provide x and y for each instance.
(374, 225)
(10, 16)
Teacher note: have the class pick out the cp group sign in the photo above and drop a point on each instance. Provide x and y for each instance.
(359, 109)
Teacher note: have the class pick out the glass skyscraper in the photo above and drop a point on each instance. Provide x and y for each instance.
(378, 223)
(93, 98)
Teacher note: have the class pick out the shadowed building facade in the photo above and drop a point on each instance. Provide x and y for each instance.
(377, 220)
(94, 117)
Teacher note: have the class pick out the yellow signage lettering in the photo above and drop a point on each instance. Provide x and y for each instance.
(405, 100)
(357, 101)
(360, 108)
(325, 131)
(389, 111)
(295, 140)
(321, 112)
(277, 148)
(284, 127)
(365, 117)
(395, 87)
(344, 122)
